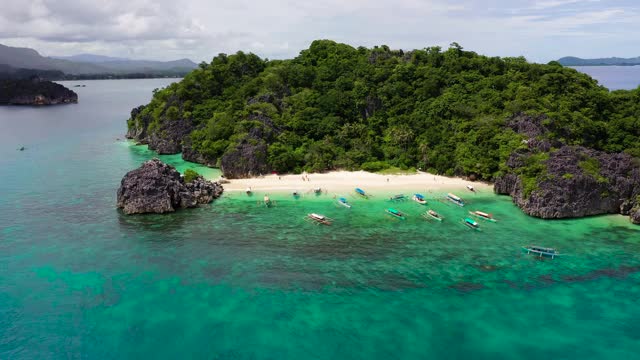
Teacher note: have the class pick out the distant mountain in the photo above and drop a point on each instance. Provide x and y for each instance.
(85, 64)
(575, 61)
(30, 59)
(89, 58)
(120, 65)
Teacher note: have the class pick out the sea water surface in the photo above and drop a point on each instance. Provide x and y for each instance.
(237, 280)
(613, 77)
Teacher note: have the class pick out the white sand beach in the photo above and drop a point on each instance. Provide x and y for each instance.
(341, 181)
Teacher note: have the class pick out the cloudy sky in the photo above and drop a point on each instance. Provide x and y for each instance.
(541, 30)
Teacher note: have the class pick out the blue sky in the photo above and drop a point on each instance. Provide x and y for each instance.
(541, 30)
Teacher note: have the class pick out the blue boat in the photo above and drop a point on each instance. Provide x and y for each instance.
(343, 201)
(470, 223)
(419, 198)
(395, 213)
(362, 193)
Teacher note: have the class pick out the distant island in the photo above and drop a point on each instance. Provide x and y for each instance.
(88, 66)
(560, 144)
(34, 91)
(575, 61)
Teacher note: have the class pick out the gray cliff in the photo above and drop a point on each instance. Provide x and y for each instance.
(156, 187)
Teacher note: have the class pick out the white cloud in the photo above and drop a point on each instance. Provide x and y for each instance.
(200, 29)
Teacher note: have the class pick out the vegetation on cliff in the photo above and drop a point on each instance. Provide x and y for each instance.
(335, 106)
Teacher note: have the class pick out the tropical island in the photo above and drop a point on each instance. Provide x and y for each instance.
(611, 61)
(34, 91)
(560, 144)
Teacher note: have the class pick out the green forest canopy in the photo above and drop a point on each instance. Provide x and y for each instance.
(336, 106)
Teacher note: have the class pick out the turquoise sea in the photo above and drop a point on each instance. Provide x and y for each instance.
(236, 280)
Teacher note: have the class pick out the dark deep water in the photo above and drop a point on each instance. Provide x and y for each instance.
(237, 281)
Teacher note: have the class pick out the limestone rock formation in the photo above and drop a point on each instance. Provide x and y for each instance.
(156, 187)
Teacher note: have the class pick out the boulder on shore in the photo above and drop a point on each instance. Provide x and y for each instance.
(156, 187)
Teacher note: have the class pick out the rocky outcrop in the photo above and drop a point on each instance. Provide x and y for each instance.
(167, 139)
(35, 92)
(634, 215)
(249, 159)
(575, 181)
(137, 125)
(156, 187)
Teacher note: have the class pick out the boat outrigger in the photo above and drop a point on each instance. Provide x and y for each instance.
(541, 251)
(399, 197)
(343, 201)
(419, 198)
(470, 223)
(483, 215)
(432, 215)
(395, 213)
(362, 193)
(455, 199)
(319, 219)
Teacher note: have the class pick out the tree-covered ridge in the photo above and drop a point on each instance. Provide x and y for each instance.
(335, 106)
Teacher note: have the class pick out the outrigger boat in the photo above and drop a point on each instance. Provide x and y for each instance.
(483, 215)
(432, 215)
(395, 213)
(471, 223)
(399, 197)
(470, 188)
(362, 193)
(541, 251)
(248, 191)
(319, 219)
(455, 199)
(419, 198)
(343, 201)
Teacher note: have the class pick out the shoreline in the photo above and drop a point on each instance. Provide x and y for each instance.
(347, 181)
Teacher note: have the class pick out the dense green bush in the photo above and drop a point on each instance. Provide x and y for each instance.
(335, 106)
(190, 175)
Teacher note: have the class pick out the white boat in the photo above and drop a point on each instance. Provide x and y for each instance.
(470, 187)
(319, 219)
(455, 199)
(419, 198)
(433, 215)
(343, 201)
(483, 215)
(248, 191)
